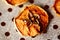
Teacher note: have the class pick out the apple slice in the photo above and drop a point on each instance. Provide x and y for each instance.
(16, 2)
(57, 6)
(32, 21)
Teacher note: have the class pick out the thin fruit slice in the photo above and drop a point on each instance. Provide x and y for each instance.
(32, 20)
(57, 6)
(16, 2)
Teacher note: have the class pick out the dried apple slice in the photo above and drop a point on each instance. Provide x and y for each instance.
(32, 21)
(57, 6)
(16, 2)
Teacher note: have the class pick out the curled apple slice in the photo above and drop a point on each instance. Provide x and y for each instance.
(32, 21)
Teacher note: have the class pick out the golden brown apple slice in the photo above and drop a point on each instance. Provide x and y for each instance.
(32, 20)
(16, 2)
(57, 6)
